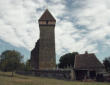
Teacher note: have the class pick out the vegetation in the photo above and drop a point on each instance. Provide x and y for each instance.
(67, 60)
(28, 66)
(106, 63)
(5, 79)
(11, 60)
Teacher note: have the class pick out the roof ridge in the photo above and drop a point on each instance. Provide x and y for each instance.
(86, 54)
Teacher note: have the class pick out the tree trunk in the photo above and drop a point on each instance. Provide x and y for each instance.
(12, 74)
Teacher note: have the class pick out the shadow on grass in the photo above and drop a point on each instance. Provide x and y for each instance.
(15, 76)
(5, 75)
(21, 77)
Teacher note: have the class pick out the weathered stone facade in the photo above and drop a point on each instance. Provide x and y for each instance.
(43, 55)
(47, 48)
(35, 56)
(65, 74)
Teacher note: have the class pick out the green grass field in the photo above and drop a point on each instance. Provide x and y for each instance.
(6, 79)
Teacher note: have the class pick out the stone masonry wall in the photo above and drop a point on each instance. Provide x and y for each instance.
(57, 74)
(47, 48)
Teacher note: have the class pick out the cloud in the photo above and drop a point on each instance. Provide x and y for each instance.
(90, 20)
(96, 18)
(81, 24)
(19, 20)
(69, 39)
(16, 23)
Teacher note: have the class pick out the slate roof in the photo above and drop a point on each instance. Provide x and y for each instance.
(47, 16)
(87, 61)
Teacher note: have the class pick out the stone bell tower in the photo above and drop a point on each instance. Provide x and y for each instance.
(47, 41)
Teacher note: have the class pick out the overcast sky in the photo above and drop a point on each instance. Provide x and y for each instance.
(82, 25)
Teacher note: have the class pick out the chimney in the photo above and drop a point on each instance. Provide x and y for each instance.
(86, 52)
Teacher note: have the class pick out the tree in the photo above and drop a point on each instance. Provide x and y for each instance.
(67, 60)
(28, 66)
(106, 63)
(10, 60)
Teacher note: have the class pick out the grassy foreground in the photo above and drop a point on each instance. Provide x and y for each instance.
(6, 79)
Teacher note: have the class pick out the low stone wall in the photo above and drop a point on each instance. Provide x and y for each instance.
(58, 74)
(27, 73)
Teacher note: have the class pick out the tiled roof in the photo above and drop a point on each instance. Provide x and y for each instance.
(87, 61)
(47, 16)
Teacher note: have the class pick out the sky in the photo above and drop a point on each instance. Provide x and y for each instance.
(81, 25)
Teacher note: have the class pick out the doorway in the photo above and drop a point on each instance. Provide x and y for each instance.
(92, 74)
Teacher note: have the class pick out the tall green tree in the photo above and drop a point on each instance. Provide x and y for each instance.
(10, 60)
(28, 66)
(106, 63)
(67, 60)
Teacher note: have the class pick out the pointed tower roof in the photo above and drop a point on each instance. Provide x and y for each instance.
(47, 16)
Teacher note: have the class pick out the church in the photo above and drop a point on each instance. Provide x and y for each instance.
(43, 55)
